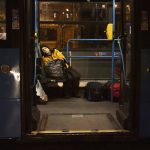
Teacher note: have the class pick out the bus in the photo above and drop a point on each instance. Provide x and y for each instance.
(105, 41)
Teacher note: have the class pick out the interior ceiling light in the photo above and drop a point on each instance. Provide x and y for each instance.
(103, 6)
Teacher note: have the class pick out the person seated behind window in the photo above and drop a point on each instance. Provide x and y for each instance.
(72, 77)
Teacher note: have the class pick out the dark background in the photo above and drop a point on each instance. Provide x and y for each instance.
(117, 145)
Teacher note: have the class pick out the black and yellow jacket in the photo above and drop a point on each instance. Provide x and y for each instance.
(55, 55)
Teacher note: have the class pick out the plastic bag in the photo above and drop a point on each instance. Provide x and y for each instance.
(40, 92)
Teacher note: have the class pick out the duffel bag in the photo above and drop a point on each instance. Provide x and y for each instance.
(107, 87)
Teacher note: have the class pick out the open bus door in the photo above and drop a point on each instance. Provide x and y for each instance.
(133, 123)
(48, 4)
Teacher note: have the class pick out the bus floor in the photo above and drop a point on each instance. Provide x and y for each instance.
(77, 114)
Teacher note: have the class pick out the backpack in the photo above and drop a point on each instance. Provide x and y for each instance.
(93, 91)
(55, 69)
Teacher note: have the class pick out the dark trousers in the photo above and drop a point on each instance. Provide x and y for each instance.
(71, 85)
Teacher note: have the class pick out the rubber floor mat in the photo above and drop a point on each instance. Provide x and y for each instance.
(66, 122)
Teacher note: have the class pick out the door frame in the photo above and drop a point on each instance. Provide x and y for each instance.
(27, 34)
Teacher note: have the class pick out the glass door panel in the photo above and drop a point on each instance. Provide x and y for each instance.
(3, 20)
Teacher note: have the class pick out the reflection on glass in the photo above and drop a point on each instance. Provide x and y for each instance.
(126, 87)
(2, 20)
(94, 11)
(63, 32)
(61, 21)
(53, 11)
(2, 10)
(2, 31)
(48, 34)
(85, 20)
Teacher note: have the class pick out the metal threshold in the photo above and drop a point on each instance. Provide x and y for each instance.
(78, 123)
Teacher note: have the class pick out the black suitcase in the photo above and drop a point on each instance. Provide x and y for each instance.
(93, 91)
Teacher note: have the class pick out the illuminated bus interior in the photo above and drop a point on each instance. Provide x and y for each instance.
(79, 31)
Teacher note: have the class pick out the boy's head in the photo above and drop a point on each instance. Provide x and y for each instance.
(45, 50)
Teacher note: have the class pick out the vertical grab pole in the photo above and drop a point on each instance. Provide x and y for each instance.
(67, 55)
(122, 59)
(113, 47)
(36, 47)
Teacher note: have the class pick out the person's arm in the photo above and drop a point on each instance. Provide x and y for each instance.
(46, 60)
(58, 55)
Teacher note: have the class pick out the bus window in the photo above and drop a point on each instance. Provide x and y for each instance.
(2, 20)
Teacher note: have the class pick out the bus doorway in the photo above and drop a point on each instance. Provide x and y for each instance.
(79, 31)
